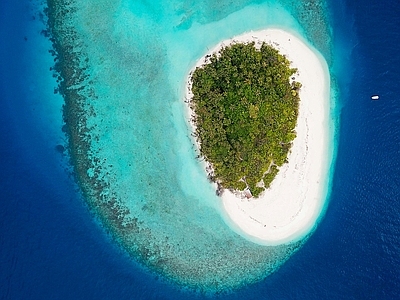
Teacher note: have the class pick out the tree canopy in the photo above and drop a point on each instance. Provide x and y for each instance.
(246, 109)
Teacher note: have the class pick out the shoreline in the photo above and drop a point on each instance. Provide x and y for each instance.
(289, 209)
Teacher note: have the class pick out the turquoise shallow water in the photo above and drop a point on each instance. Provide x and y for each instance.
(124, 66)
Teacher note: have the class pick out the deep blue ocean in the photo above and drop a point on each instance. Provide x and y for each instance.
(51, 247)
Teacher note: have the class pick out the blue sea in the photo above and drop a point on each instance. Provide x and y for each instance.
(95, 173)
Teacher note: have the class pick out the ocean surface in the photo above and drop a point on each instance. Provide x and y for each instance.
(59, 241)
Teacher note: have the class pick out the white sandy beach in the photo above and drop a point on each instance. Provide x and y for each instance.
(289, 209)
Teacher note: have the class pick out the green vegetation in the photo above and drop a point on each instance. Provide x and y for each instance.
(245, 111)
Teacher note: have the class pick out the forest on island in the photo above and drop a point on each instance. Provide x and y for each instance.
(245, 105)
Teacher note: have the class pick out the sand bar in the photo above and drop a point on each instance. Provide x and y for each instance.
(289, 209)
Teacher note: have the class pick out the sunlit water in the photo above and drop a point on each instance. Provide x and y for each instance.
(53, 248)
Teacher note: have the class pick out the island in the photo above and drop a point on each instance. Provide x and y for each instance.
(245, 105)
(259, 107)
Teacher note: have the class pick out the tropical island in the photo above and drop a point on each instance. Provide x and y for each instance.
(251, 123)
(245, 105)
